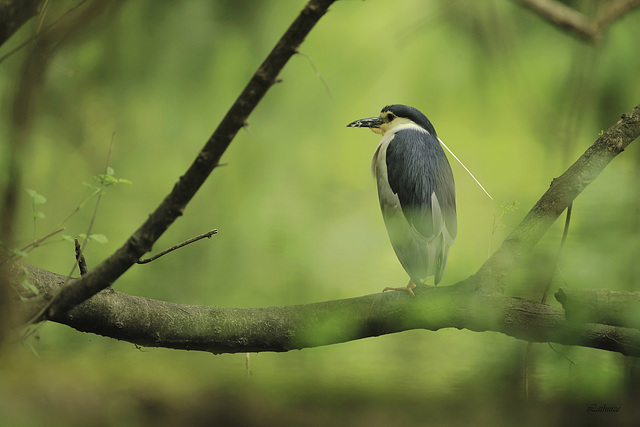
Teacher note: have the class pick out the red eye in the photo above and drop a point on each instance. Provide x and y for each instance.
(390, 117)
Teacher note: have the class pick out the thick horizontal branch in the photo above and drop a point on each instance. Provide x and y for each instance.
(467, 305)
(607, 306)
(155, 323)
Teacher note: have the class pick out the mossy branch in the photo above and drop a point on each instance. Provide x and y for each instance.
(154, 323)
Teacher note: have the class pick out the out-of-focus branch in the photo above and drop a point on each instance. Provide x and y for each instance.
(13, 15)
(613, 11)
(23, 94)
(51, 27)
(575, 22)
(207, 159)
(562, 16)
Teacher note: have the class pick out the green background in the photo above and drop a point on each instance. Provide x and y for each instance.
(297, 212)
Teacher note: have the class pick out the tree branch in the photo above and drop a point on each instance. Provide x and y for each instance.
(562, 16)
(475, 303)
(569, 19)
(614, 11)
(13, 15)
(176, 201)
(610, 307)
(562, 191)
(155, 323)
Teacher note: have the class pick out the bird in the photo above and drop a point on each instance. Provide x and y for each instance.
(416, 191)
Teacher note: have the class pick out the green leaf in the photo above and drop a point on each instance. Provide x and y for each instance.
(508, 207)
(107, 179)
(26, 284)
(99, 238)
(91, 186)
(20, 254)
(36, 199)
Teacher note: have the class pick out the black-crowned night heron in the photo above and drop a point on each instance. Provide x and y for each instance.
(416, 191)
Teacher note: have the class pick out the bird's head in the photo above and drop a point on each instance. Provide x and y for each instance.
(393, 116)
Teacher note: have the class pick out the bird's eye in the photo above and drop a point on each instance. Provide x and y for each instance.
(390, 117)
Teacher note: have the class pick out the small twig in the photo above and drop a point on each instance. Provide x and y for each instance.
(39, 33)
(173, 205)
(95, 210)
(43, 13)
(318, 74)
(544, 300)
(567, 222)
(82, 263)
(248, 365)
(208, 234)
(93, 217)
(560, 354)
(42, 239)
(527, 356)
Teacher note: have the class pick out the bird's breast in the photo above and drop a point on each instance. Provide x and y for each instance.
(379, 171)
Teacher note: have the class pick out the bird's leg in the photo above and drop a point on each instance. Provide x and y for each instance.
(409, 288)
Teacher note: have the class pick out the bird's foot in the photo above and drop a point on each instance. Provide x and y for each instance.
(409, 288)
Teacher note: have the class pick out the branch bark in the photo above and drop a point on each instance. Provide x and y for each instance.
(176, 201)
(475, 303)
(155, 323)
(607, 306)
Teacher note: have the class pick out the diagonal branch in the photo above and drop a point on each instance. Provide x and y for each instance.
(176, 201)
(613, 11)
(561, 193)
(14, 14)
(562, 16)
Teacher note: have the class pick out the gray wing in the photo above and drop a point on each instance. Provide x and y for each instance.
(420, 176)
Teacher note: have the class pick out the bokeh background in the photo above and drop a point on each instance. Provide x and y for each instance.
(516, 99)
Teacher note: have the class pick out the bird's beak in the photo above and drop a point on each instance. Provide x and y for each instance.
(369, 122)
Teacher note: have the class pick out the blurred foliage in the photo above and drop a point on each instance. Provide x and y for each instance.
(297, 211)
